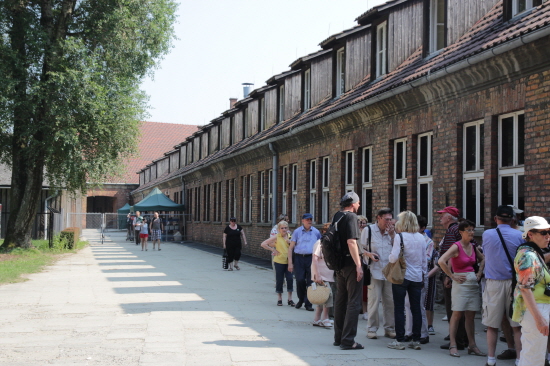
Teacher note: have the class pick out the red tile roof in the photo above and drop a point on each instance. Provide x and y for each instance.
(156, 139)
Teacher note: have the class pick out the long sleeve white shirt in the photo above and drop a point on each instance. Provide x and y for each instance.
(414, 252)
(380, 245)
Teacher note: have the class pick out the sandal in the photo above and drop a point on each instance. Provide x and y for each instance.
(355, 346)
(280, 303)
(326, 323)
(455, 354)
(237, 268)
(230, 269)
(317, 323)
(475, 351)
(291, 303)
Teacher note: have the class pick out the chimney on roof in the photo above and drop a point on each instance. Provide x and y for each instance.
(247, 87)
(232, 102)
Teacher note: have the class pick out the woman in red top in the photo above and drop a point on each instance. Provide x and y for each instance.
(465, 294)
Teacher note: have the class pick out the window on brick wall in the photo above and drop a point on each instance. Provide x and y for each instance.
(207, 202)
(198, 203)
(400, 175)
(366, 186)
(234, 195)
(244, 201)
(313, 189)
(294, 187)
(249, 218)
(262, 196)
(424, 176)
(340, 72)
(284, 187)
(326, 190)
(473, 175)
(217, 197)
(511, 151)
(190, 206)
(270, 195)
(350, 171)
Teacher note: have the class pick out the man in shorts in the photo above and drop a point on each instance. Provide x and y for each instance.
(156, 230)
(497, 293)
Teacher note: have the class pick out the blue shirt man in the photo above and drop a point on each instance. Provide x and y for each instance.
(299, 257)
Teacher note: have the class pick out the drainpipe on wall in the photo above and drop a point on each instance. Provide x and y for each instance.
(274, 183)
(46, 210)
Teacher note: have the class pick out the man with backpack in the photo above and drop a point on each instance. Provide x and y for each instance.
(349, 277)
(500, 246)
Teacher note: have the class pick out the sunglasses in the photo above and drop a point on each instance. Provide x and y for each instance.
(543, 232)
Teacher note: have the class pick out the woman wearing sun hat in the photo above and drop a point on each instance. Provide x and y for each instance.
(532, 292)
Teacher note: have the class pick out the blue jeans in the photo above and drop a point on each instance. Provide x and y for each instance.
(414, 290)
(281, 271)
(302, 272)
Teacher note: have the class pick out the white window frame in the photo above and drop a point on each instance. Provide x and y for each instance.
(313, 188)
(282, 103)
(477, 174)
(516, 169)
(340, 71)
(381, 48)
(434, 25)
(244, 198)
(426, 179)
(366, 179)
(270, 195)
(326, 189)
(285, 190)
(515, 6)
(307, 89)
(350, 175)
(398, 183)
(250, 196)
(262, 114)
(294, 188)
(262, 196)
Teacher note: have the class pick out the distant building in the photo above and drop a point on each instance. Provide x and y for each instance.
(422, 105)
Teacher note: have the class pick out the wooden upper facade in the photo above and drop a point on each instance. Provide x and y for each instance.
(393, 45)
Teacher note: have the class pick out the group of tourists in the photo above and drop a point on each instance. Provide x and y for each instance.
(506, 276)
(145, 229)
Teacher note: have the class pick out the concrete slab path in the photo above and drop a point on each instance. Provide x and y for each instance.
(112, 304)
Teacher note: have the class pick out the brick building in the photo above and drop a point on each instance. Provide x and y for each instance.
(423, 104)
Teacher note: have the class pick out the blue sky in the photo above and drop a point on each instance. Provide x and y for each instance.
(223, 44)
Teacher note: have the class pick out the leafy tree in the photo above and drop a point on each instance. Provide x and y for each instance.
(70, 102)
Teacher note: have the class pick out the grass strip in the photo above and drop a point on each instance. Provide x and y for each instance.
(19, 261)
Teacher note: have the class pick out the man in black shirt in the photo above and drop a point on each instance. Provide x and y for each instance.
(349, 279)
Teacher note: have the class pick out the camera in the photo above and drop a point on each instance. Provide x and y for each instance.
(547, 290)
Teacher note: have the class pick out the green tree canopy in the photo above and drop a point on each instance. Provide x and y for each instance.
(70, 102)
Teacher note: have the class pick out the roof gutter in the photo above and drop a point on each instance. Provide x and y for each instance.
(482, 56)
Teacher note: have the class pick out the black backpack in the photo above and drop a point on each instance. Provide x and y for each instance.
(333, 254)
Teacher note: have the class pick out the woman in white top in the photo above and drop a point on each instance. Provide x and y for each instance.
(414, 252)
(322, 275)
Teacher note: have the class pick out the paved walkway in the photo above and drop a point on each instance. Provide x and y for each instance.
(112, 304)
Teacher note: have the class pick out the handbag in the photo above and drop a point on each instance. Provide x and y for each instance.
(395, 272)
(366, 269)
(225, 265)
(318, 294)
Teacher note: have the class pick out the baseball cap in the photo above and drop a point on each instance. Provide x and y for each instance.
(534, 223)
(505, 211)
(352, 197)
(307, 216)
(450, 210)
(516, 210)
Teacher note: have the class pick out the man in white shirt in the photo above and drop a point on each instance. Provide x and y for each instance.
(383, 233)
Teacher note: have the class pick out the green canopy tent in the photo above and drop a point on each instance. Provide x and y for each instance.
(121, 214)
(157, 201)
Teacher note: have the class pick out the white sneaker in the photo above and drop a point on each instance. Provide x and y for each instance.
(431, 331)
(366, 316)
(371, 335)
(396, 345)
(414, 345)
(445, 318)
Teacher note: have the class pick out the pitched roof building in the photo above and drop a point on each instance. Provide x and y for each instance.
(424, 104)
